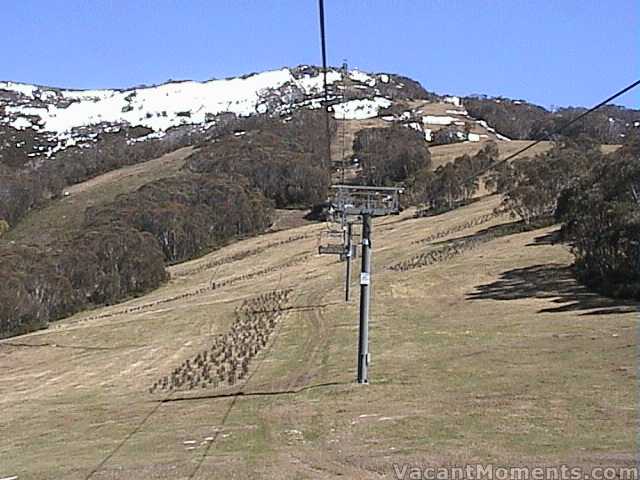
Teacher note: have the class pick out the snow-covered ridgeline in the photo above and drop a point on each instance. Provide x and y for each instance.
(178, 103)
(162, 107)
(158, 108)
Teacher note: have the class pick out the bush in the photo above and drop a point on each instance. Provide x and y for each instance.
(4, 227)
(601, 218)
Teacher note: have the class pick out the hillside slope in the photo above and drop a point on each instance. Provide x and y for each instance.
(60, 118)
(491, 354)
(485, 349)
(65, 215)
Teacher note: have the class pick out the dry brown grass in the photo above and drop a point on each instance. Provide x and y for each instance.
(495, 356)
(443, 154)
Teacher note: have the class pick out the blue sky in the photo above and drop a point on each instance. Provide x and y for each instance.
(551, 52)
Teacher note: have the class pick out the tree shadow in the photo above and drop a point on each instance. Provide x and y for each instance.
(554, 282)
(491, 233)
(551, 238)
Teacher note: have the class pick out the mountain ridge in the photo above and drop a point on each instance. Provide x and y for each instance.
(68, 116)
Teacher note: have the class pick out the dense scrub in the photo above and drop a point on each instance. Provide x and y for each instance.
(531, 187)
(391, 155)
(30, 182)
(447, 136)
(516, 120)
(399, 155)
(29, 179)
(284, 161)
(23, 190)
(213, 285)
(410, 89)
(122, 248)
(190, 214)
(98, 266)
(595, 196)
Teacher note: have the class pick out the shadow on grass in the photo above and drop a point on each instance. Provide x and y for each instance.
(244, 394)
(498, 231)
(554, 282)
(550, 238)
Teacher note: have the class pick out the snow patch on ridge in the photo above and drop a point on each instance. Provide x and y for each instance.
(438, 120)
(315, 85)
(22, 88)
(453, 101)
(360, 109)
(362, 77)
(21, 123)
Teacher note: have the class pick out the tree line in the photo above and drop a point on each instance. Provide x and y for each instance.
(521, 120)
(453, 184)
(399, 156)
(188, 215)
(596, 198)
(531, 187)
(97, 266)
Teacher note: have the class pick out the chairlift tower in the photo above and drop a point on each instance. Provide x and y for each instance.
(354, 201)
